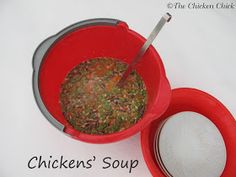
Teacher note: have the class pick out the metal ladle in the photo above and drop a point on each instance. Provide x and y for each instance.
(165, 18)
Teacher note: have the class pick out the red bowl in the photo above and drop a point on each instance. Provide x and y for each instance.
(90, 39)
(186, 99)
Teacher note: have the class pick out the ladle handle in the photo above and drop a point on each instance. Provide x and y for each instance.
(165, 18)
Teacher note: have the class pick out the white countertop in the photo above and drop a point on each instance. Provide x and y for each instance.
(198, 48)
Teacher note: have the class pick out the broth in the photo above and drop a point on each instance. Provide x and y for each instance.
(93, 104)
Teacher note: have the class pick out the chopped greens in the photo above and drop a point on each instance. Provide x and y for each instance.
(93, 104)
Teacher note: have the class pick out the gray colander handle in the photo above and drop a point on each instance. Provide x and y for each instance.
(42, 49)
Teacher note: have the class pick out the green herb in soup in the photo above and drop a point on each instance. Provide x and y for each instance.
(93, 104)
